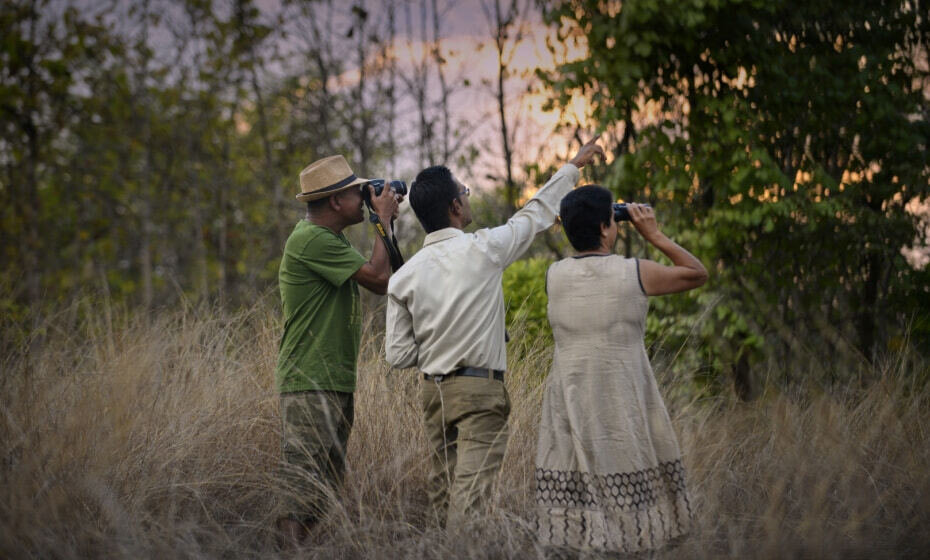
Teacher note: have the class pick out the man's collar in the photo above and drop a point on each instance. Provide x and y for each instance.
(442, 235)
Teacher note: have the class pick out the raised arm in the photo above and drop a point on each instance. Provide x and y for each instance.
(685, 274)
(374, 274)
(508, 242)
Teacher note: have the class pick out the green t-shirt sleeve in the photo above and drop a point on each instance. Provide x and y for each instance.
(332, 257)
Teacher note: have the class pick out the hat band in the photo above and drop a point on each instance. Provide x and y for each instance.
(334, 186)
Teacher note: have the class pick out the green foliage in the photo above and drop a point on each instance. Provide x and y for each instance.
(780, 142)
(152, 170)
(525, 299)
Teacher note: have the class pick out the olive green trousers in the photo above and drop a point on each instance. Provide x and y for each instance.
(466, 424)
(316, 426)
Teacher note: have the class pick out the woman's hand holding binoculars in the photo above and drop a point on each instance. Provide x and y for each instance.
(644, 220)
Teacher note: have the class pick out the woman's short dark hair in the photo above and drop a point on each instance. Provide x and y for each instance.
(431, 193)
(582, 212)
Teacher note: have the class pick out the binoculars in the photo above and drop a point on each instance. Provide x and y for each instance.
(390, 242)
(621, 212)
(399, 187)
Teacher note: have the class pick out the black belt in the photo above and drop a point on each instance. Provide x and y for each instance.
(486, 373)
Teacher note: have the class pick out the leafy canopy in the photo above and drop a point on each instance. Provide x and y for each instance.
(783, 142)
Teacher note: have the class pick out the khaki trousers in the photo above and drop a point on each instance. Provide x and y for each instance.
(316, 434)
(466, 423)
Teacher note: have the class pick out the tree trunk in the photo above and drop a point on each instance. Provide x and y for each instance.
(30, 202)
(269, 174)
(145, 249)
(443, 86)
(392, 88)
(32, 214)
(865, 323)
(501, 26)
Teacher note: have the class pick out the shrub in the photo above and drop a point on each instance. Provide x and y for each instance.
(526, 301)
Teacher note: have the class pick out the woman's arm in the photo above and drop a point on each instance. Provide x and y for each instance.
(685, 274)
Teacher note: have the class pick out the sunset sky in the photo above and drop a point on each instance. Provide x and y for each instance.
(471, 70)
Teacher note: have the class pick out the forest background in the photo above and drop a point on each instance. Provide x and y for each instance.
(150, 152)
(150, 149)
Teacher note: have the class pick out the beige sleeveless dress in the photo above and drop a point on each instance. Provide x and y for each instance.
(609, 476)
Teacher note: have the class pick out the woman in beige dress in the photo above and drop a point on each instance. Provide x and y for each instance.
(609, 476)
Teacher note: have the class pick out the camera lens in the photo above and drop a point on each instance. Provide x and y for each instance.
(399, 187)
(377, 185)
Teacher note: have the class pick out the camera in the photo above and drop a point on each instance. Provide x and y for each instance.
(399, 187)
(621, 212)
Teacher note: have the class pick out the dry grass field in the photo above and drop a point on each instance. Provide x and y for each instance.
(157, 437)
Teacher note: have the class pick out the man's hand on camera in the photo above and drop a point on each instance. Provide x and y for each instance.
(399, 198)
(644, 220)
(587, 152)
(385, 204)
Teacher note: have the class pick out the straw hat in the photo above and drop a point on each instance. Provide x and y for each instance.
(325, 177)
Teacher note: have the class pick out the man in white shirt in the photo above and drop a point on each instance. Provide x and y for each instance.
(445, 315)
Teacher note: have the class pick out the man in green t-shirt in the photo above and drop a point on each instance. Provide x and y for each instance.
(319, 277)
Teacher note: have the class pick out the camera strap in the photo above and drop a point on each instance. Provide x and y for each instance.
(390, 242)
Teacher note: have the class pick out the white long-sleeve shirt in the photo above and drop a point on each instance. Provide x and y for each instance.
(445, 306)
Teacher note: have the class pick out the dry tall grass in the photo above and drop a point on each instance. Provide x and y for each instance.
(157, 437)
